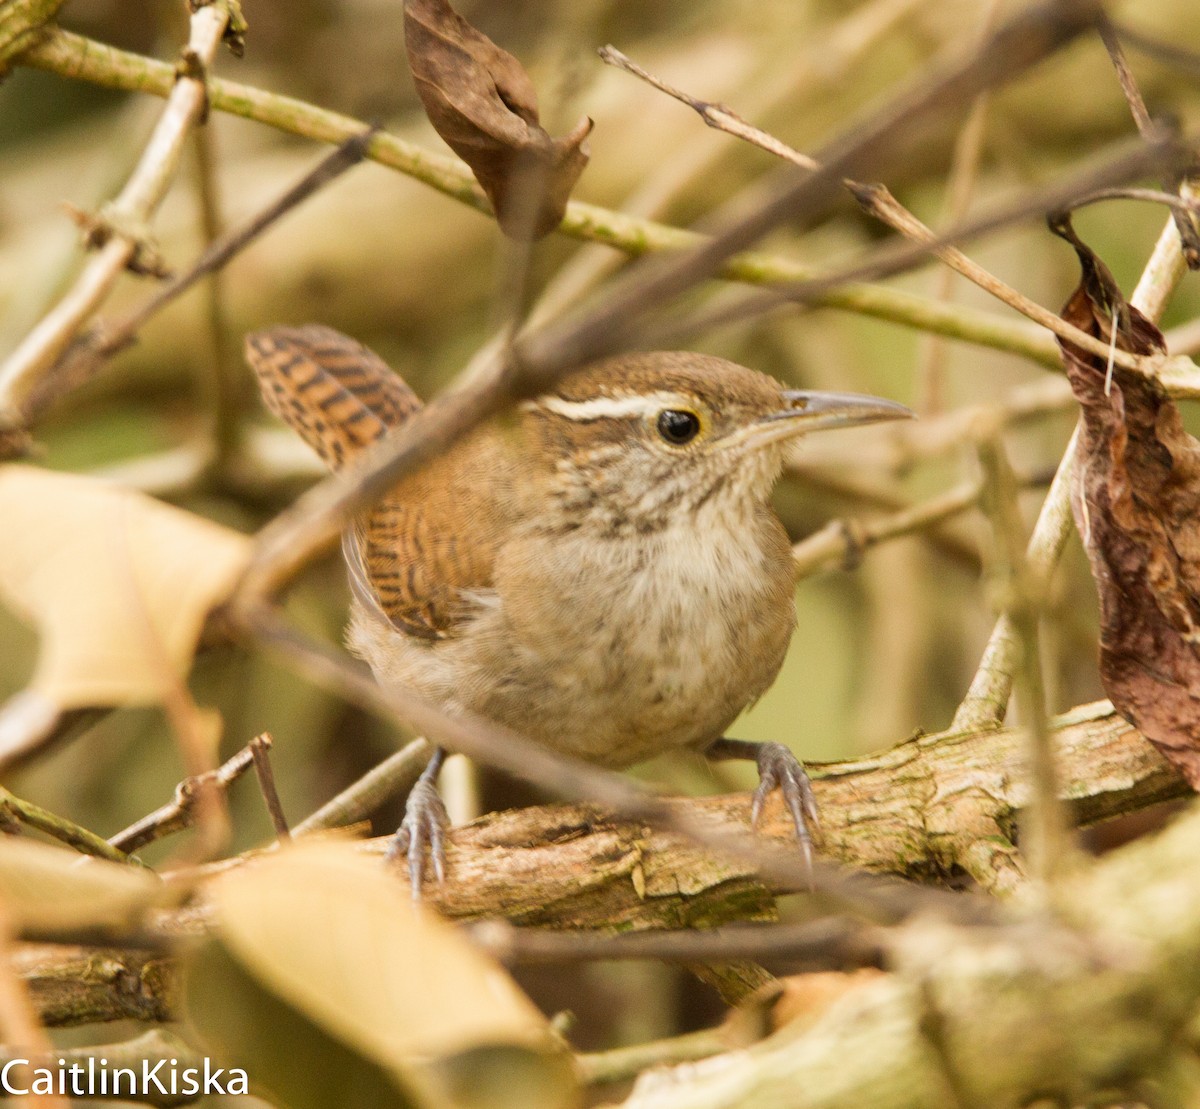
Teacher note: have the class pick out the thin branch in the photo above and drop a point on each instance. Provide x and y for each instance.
(102, 340)
(74, 56)
(878, 202)
(260, 751)
(1168, 52)
(1128, 162)
(843, 542)
(1177, 204)
(196, 730)
(179, 812)
(622, 1064)
(61, 829)
(1141, 116)
(122, 228)
(717, 116)
(1164, 270)
(866, 494)
(395, 775)
(1046, 837)
(1185, 339)
(960, 187)
(938, 435)
(823, 61)
(986, 701)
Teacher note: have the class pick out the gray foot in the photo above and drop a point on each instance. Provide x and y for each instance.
(425, 823)
(778, 769)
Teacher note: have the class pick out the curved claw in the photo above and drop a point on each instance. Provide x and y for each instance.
(778, 768)
(425, 822)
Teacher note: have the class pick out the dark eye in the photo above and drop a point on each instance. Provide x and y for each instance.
(677, 426)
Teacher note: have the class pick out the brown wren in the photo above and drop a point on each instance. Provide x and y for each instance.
(603, 573)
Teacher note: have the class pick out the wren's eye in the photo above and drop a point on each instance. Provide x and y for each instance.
(678, 426)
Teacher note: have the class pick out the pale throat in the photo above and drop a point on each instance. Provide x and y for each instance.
(616, 493)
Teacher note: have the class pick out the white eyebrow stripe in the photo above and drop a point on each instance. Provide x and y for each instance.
(600, 408)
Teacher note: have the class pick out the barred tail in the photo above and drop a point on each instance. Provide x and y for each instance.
(338, 395)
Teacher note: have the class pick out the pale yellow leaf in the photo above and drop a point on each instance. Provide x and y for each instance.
(117, 584)
(334, 935)
(51, 889)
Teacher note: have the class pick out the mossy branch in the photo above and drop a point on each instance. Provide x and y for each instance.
(71, 55)
(22, 23)
(1092, 1011)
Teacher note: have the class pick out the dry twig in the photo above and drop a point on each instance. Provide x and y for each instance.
(179, 812)
(878, 202)
(80, 361)
(120, 230)
(394, 776)
(260, 748)
(843, 542)
(1046, 839)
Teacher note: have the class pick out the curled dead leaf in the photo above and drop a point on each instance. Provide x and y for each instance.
(482, 103)
(1137, 506)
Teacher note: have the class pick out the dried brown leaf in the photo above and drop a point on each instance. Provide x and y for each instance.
(481, 101)
(1137, 505)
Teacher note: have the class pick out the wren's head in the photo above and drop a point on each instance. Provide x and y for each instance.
(641, 441)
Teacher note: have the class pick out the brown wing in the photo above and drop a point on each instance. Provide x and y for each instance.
(428, 550)
(336, 393)
(422, 558)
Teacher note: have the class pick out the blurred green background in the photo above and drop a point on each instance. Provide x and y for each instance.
(881, 650)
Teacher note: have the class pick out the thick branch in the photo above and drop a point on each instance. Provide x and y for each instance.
(922, 810)
(75, 985)
(1090, 1012)
(925, 809)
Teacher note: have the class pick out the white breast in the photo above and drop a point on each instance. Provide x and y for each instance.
(612, 651)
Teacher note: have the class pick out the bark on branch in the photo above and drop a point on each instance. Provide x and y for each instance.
(926, 809)
(1093, 1007)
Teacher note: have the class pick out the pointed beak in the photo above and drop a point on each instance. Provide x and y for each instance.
(808, 411)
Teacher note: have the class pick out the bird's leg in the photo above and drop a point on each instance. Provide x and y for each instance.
(777, 768)
(425, 821)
